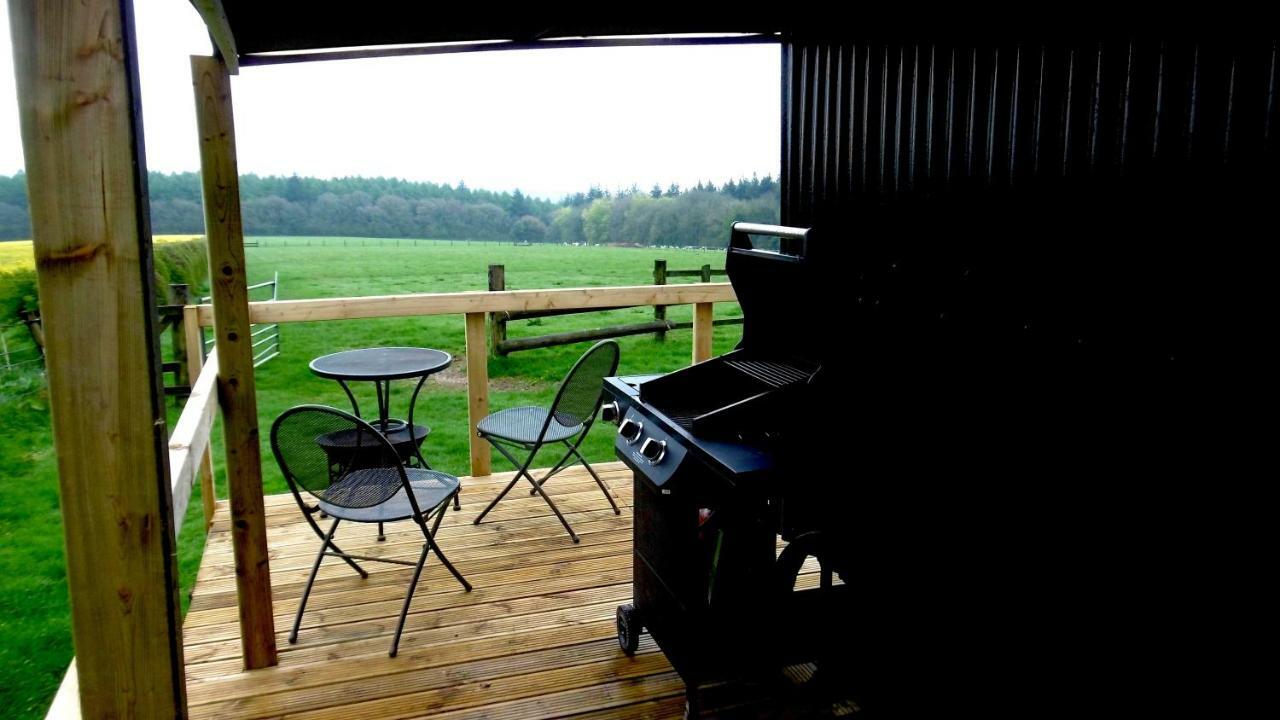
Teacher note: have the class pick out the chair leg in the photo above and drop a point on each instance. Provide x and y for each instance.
(428, 546)
(329, 543)
(315, 568)
(524, 472)
(573, 452)
(501, 495)
(431, 541)
(382, 536)
(408, 598)
(554, 509)
(603, 488)
(560, 465)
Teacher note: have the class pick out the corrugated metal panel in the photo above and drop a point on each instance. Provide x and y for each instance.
(865, 118)
(1031, 197)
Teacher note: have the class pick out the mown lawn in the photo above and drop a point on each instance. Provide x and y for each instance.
(33, 598)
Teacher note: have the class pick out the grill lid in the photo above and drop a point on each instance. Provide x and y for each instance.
(781, 289)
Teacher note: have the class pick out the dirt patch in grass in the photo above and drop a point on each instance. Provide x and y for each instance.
(454, 377)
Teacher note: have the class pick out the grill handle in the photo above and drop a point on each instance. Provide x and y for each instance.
(793, 250)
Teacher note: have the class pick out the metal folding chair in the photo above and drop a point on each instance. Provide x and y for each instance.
(567, 422)
(354, 473)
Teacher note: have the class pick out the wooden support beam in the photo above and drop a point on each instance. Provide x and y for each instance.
(215, 18)
(702, 327)
(194, 341)
(80, 111)
(236, 392)
(477, 392)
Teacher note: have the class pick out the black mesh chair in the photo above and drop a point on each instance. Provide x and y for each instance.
(355, 474)
(567, 422)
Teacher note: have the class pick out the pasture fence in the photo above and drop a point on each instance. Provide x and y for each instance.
(500, 344)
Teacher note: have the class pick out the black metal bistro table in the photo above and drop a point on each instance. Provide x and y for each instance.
(381, 366)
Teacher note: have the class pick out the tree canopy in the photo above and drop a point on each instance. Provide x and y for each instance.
(390, 207)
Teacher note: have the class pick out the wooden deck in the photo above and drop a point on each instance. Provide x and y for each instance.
(535, 638)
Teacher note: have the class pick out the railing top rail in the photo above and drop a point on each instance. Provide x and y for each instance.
(480, 301)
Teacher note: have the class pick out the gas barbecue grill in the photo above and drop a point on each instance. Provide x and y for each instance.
(717, 452)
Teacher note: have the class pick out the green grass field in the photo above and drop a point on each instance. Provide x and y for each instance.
(33, 599)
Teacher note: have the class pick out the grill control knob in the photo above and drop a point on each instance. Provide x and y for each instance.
(630, 430)
(654, 450)
(609, 413)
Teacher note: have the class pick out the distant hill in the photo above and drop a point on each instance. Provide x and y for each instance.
(389, 207)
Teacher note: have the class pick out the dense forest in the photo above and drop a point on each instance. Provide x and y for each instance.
(387, 207)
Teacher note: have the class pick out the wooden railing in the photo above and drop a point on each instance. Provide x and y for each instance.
(475, 305)
(189, 443)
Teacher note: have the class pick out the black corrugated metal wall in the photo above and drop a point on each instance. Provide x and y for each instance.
(1029, 247)
(1038, 198)
(906, 118)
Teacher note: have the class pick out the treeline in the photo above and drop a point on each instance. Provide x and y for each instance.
(388, 207)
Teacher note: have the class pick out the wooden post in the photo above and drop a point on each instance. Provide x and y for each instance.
(180, 294)
(498, 327)
(477, 392)
(31, 319)
(660, 311)
(702, 326)
(236, 392)
(194, 343)
(80, 111)
(706, 273)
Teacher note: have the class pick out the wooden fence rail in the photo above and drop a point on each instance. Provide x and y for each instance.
(500, 345)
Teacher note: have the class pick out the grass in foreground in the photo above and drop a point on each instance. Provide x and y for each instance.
(33, 598)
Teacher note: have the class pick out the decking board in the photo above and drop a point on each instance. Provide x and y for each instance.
(535, 638)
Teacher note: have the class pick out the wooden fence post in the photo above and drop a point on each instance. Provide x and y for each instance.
(31, 319)
(236, 393)
(702, 327)
(706, 273)
(498, 327)
(477, 392)
(660, 311)
(180, 294)
(80, 111)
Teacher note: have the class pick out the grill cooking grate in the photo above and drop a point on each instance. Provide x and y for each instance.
(684, 420)
(774, 374)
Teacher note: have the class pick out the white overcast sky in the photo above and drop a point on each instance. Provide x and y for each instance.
(549, 122)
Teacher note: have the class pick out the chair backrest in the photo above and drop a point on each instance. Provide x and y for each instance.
(580, 393)
(336, 457)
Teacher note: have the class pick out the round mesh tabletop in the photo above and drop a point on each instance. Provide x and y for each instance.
(387, 363)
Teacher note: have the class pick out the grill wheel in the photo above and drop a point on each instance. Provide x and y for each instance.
(629, 628)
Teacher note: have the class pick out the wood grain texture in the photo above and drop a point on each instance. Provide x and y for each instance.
(702, 332)
(480, 301)
(215, 18)
(189, 441)
(194, 341)
(534, 639)
(79, 108)
(236, 392)
(477, 392)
